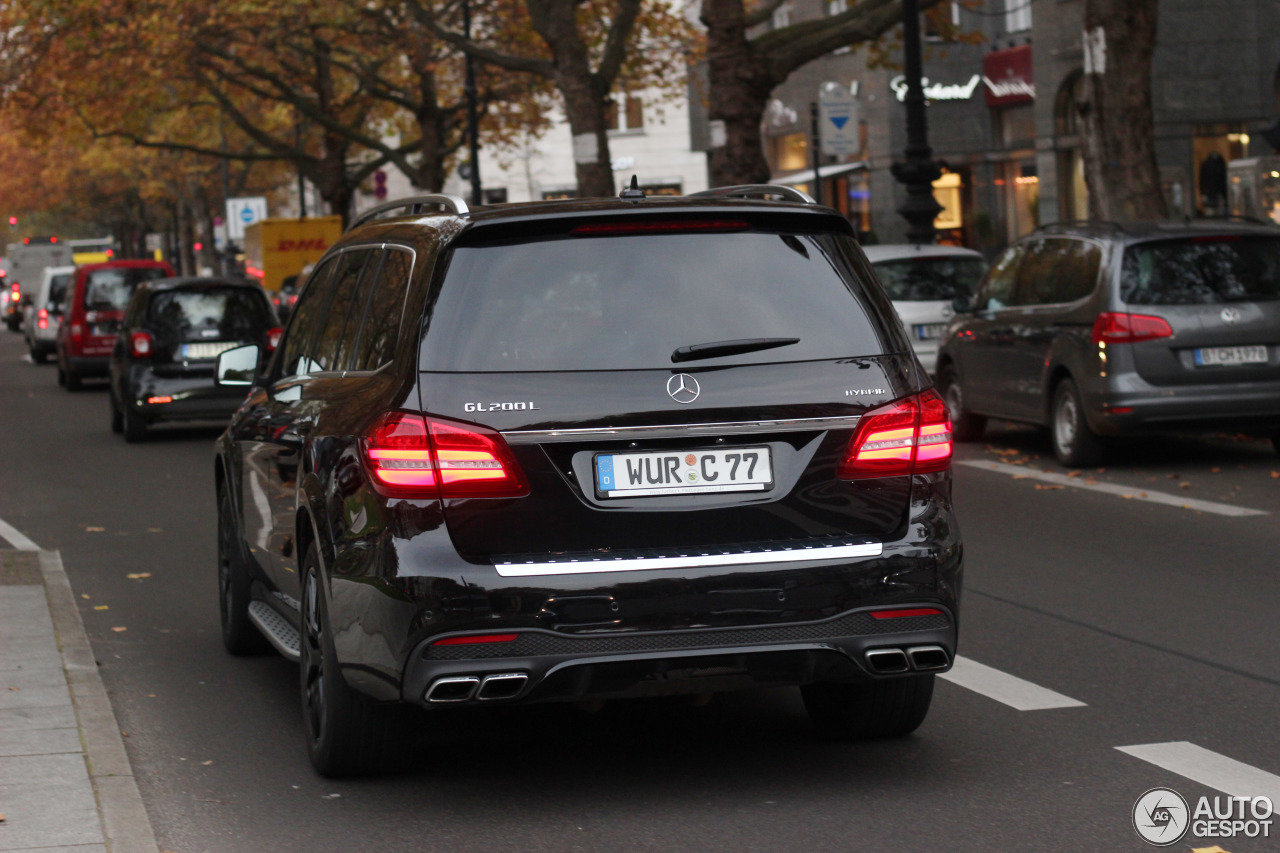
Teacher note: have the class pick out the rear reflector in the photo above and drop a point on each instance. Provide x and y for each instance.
(411, 456)
(273, 339)
(154, 400)
(668, 227)
(1119, 328)
(476, 639)
(910, 436)
(903, 614)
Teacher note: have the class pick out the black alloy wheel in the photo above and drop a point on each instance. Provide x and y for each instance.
(135, 428)
(1074, 444)
(965, 426)
(347, 735)
(860, 710)
(239, 635)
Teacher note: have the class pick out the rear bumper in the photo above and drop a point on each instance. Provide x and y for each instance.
(192, 399)
(88, 365)
(543, 666)
(1243, 407)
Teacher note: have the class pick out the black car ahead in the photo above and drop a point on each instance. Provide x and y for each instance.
(1099, 329)
(590, 449)
(173, 329)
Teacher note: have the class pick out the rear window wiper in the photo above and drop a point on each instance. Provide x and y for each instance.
(714, 349)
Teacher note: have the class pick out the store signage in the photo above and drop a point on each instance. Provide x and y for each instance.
(937, 91)
(1007, 74)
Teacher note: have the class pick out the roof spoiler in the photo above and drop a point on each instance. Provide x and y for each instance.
(415, 204)
(762, 191)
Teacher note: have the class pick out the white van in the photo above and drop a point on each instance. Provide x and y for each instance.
(42, 315)
(27, 262)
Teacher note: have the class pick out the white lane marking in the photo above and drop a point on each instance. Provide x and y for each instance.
(15, 538)
(1136, 494)
(1208, 768)
(1002, 687)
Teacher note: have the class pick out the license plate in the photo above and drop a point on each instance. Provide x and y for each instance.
(210, 350)
(695, 472)
(1229, 356)
(102, 330)
(930, 331)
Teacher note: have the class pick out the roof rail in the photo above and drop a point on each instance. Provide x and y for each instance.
(756, 191)
(1081, 223)
(451, 203)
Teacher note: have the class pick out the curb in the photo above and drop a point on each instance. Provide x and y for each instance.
(124, 818)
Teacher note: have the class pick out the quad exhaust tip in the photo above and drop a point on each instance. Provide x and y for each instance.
(927, 658)
(887, 661)
(464, 688)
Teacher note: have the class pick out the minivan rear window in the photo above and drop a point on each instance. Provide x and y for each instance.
(1201, 270)
(110, 289)
(930, 279)
(629, 301)
(208, 314)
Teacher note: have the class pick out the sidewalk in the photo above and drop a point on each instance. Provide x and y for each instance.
(65, 780)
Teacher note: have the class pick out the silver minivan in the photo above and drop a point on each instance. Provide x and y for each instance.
(42, 313)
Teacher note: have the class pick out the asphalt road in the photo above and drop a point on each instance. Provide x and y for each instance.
(1158, 621)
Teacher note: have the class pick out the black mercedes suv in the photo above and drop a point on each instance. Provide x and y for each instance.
(589, 449)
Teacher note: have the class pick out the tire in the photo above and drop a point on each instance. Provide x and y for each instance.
(347, 735)
(62, 376)
(72, 380)
(239, 635)
(38, 355)
(117, 417)
(965, 426)
(1275, 441)
(1074, 444)
(13, 322)
(135, 428)
(879, 709)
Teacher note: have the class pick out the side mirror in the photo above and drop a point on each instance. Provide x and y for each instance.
(237, 366)
(962, 304)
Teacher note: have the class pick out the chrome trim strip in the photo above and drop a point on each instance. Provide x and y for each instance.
(640, 564)
(543, 436)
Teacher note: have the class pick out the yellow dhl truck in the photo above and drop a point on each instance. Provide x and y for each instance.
(277, 248)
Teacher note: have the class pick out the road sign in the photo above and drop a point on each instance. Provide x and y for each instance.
(839, 115)
(242, 212)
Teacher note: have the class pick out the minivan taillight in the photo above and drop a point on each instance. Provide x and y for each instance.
(413, 456)
(273, 338)
(140, 345)
(1114, 327)
(909, 436)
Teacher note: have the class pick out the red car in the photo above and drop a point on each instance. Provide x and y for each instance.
(91, 320)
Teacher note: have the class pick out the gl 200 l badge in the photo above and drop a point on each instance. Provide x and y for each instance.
(526, 406)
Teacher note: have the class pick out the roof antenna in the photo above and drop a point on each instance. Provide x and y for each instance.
(632, 191)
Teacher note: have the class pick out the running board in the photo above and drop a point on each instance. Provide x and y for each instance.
(276, 629)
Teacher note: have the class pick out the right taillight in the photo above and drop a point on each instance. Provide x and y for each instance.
(909, 436)
(410, 455)
(1115, 327)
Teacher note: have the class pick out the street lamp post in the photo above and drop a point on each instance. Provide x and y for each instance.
(473, 113)
(918, 171)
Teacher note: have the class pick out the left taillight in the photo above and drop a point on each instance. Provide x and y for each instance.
(909, 436)
(141, 345)
(410, 455)
(273, 338)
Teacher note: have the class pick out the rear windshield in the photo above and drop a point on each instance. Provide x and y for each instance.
(110, 289)
(230, 314)
(1201, 270)
(58, 287)
(930, 279)
(629, 301)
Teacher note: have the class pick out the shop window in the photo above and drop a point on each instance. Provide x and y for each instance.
(624, 113)
(1017, 126)
(1214, 146)
(790, 152)
(1020, 191)
(1017, 15)
(946, 190)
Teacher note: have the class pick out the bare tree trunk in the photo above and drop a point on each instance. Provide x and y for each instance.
(584, 108)
(740, 85)
(1118, 130)
(186, 237)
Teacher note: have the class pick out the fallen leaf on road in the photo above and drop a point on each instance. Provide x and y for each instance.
(124, 734)
(1043, 488)
(154, 530)
(138, 576)
(15, 689)
(1, 817)
(1215, 470)
(118, 630)
(1073, 473)
(1144, 494)
(151, 695)
(1091, 481)
(1275, 475)
(206, 763)
(1021, 477)
(82, 595)
(101, 607)
(1127, 497)
(1184, 485)
(94, 529)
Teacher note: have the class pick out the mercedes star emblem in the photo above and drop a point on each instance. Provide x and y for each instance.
(683, 388)
(1230, 316)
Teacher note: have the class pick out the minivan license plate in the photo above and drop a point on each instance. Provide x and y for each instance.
(1228, 356)
(739, 469)
(930, 331)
